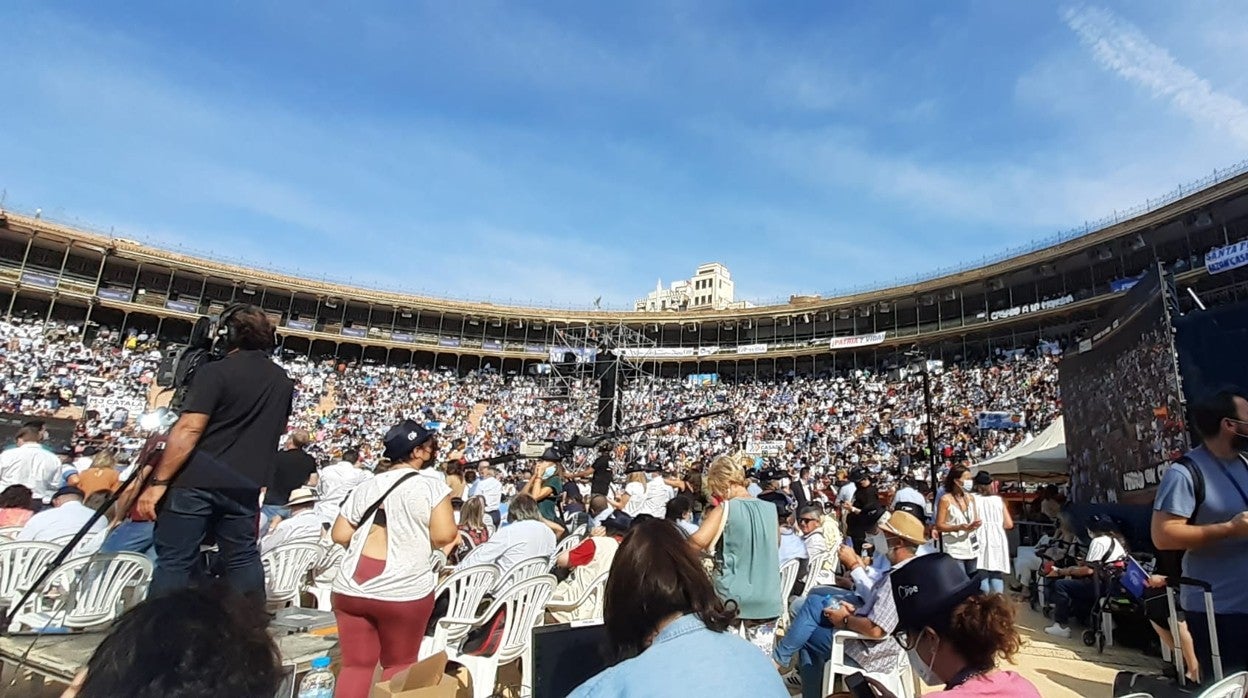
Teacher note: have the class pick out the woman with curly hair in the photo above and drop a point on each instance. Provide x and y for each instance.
(956, 634)
(667, 630)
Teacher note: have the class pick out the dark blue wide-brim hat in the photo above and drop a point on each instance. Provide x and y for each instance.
(927, 589)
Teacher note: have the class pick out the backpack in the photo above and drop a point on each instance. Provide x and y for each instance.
(1170, 562)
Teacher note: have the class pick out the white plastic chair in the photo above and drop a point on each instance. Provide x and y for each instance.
(21, 563)
(323, 575)
(8, 533)
(525, 569)
(591, 594)
(98, 583)
(788, 577)
(286, 570)
(467, 588)
(579, 532)
(564, 546)
(1233, 686)
(437, 561)
(524, 604)
(899, 681)
(821, 568)
(465, 545)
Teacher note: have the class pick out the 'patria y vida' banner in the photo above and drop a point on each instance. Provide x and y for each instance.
(1032, 307)
(861, 340)
(1221, 259)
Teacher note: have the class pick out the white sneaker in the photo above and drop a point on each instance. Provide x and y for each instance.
(1057, 630)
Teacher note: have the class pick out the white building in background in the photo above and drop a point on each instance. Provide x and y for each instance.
(710, 288)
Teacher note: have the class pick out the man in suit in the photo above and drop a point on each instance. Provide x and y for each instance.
(801, 487)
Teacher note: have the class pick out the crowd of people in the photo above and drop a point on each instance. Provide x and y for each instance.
(815, 462)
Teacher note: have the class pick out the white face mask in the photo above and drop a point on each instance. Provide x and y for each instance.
(966, 485)
(923, 669)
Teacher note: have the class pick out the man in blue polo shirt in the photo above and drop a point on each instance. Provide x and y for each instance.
(1215, 533)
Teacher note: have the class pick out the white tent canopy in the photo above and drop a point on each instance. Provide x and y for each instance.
(1042, 458)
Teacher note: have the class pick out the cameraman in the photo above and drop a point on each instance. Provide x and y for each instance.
(220, 453)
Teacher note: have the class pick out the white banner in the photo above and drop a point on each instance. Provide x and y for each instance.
(766, 448)
(861, 340)
(1221, 259)
(657, 352)
(707, 351)
(1031, 307)
(107, 404)
(752, 349)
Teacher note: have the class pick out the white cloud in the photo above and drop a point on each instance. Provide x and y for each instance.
(1124, 49)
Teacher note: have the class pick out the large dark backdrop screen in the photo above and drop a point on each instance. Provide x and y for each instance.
(1212, 346)
(1121, 401)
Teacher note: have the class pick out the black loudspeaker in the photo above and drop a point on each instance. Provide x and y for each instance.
(608, 374)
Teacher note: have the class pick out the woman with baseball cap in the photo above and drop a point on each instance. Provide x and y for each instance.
(955, 633)
(383, 594)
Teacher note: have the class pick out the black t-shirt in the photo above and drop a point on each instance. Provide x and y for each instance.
(247, 398)
(294, 467)
(601, 482)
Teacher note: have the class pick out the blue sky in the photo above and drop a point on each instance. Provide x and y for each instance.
(556, 152)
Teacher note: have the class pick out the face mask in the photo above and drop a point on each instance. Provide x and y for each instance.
(549, 472)
(967, 485)
(923, 669)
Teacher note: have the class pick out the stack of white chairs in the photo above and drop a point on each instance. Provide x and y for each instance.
(524, 604)
(286, 570)
(788, 577)
(9, 533)
(85, 593)
(1233, 686)
(466, 589)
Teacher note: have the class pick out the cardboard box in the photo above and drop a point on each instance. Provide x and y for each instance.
(426, 679)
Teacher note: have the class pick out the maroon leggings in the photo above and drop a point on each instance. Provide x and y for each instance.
(372, 631)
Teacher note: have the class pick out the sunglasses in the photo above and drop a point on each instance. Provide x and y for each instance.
(807, 520)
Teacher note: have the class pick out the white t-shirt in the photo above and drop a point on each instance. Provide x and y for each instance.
(305, 525)
(658, 493)
(636, 503)
(1105, 549)
(513, 544)
(334, 484)
(407, 575)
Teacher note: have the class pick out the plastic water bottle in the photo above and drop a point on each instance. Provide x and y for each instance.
(318, 683)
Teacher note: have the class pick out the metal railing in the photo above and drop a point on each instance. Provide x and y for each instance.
(1118, 216)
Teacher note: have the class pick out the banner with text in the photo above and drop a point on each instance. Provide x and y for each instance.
(1221, 259)
(448, 342)
(124, 295)
(354, 332)
(182, 306)
(1031, 308)
(1002, 420)
(766, 448)
(401, 337)
(496, 344)
(861, 340)
(106, 405)
(752, 349)
(300, 325)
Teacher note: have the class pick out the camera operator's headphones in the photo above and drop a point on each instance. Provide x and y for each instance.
(226, 331)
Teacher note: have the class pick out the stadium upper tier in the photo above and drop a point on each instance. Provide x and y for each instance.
(1048, 293)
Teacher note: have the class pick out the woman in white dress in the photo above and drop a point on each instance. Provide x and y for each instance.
(994, 546)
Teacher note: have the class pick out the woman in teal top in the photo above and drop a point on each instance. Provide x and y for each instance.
(746, 545)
